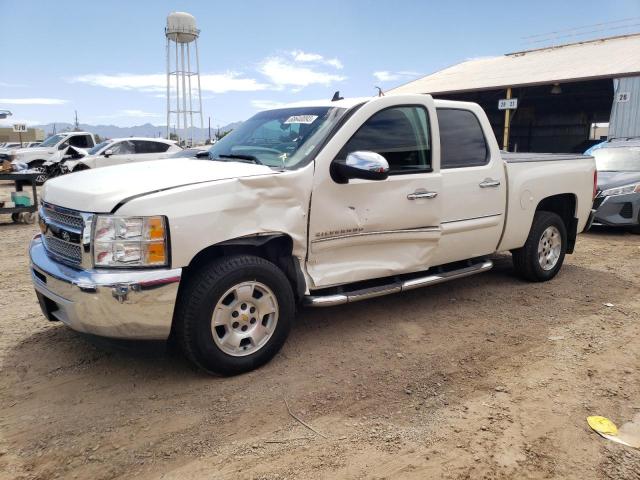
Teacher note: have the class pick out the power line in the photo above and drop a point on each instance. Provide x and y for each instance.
(566, 30)
(572, 35)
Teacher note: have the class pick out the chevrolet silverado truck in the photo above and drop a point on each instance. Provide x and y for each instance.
(318, 205)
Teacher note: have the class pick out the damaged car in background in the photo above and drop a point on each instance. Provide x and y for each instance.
(68, 158)
(617, 201)
(318, 205)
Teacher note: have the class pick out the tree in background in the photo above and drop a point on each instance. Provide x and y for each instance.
(220, 134)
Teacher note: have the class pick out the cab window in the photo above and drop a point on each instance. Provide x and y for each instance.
(81, 141)
(462, 142)
(400, 135)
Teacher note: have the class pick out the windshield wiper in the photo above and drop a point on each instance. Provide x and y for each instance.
(238, 156)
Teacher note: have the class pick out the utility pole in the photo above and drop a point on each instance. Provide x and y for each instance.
(507, 124)
(77, 125)
(209, 129)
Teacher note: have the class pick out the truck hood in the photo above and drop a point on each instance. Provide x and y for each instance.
(100, 190)
(34, 151)
(610, 179)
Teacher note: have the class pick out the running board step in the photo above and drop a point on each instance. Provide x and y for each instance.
(396, 287)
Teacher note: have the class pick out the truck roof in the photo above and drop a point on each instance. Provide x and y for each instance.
(344, 103)
(352, 102)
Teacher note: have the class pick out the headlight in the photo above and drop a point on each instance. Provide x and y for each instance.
(130, 241)
(635, 187)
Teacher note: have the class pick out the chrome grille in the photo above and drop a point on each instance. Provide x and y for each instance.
(66, 234)
(68, 251)
(63, 219)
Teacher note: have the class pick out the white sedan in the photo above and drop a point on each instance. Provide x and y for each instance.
(124, 150)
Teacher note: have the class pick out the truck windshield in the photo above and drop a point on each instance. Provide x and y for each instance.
(618, 159)
(282, 138)
(52, 140)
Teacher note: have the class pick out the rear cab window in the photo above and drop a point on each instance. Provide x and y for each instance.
(81, 141)
(462, 141)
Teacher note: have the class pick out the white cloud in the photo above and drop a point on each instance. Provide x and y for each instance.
(387, 76)
(7, 122)
(32, 101)
(283, 73)
(157, 82)
(306, 57)
(334, 62)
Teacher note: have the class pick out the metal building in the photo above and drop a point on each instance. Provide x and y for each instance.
(561, 92)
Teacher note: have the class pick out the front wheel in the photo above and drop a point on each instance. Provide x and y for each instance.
(234, 314)
(542, 255)
(43, 173)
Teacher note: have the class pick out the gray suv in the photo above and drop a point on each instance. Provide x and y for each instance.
(617, 201)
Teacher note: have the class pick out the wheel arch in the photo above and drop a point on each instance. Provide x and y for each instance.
(564, 205)
(277, 247)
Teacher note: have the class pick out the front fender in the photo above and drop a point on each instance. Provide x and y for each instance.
(211, 213)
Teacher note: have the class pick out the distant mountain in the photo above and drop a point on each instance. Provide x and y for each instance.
(146, 130)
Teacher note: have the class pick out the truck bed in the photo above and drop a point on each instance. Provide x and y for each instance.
(532, 177)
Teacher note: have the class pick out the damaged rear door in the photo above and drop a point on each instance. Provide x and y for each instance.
(366, 228)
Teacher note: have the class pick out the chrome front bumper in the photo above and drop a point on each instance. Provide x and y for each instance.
(131, 304)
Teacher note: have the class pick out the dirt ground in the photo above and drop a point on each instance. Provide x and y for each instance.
(487, 377)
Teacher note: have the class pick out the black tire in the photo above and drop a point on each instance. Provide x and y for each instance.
(198, 298)
(15, 217)
(39, 165)
(525, 259)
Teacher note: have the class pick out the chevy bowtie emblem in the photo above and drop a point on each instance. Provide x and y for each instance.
(65, 236)
(43, 226)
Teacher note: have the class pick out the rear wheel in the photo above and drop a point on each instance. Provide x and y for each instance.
(234, 314)
(542, 255)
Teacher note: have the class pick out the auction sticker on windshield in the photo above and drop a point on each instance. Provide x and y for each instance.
(301, 119)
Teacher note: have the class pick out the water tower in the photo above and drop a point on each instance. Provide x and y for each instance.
(181, 32)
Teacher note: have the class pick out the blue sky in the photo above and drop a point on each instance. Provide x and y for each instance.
(106, 59)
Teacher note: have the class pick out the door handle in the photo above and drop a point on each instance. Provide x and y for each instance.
(421, 194)
(489, 182)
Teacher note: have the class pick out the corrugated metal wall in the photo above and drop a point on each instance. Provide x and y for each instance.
(625, 112)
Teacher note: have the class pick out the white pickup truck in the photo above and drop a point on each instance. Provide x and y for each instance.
(318, 205)
(53, 149)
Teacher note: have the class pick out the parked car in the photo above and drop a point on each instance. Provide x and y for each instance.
(617, 201)
(7, 146)
(124, 150)
(53, 149)
(319, 205)
(31, 144)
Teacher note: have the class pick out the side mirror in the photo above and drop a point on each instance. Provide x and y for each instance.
(364, 165)
(63, 146)
(108, 152)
